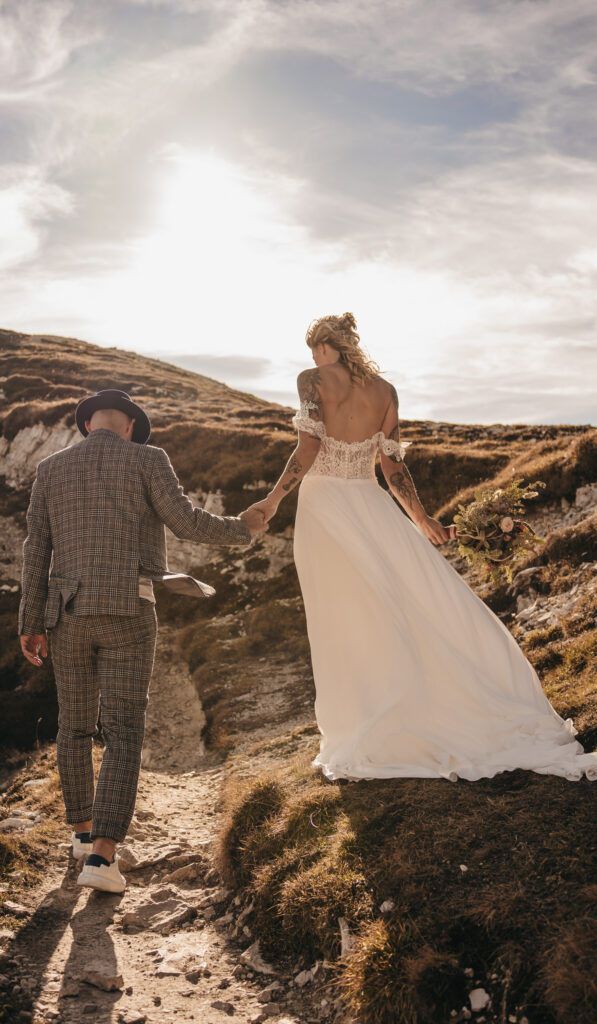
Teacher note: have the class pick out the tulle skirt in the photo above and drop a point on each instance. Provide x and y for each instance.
(415, 676)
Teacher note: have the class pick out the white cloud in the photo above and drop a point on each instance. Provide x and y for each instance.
(433, 44)
(26, 203)
(37, 38)
(438, 44)
(238, 168)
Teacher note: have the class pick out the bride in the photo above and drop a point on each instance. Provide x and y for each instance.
(414, 674)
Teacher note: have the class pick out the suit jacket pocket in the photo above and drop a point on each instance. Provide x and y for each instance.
(60, 592)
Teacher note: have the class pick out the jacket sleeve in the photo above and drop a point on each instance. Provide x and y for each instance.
(186, 521)
(37, 556)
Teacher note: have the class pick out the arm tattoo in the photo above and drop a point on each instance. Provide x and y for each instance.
(402, 482)
(308, 383)
(292, 470)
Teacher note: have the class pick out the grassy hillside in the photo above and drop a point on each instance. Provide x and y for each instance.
(492, 883)
(224, 440)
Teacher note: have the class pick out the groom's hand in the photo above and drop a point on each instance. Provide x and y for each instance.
(255, 520)
(35, 648)
(269, 507)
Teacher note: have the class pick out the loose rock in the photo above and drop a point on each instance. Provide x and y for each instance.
(253, 959)
(104, 978)
(219, 1004)
(182, 874)
(266, 995)
(15, 824)
(164, 912)
(478, 999)
(70, 987)
(224, 922)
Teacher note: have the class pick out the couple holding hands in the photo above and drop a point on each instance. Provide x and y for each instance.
(414, 675)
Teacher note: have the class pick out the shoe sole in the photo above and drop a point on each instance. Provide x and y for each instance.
(95, 880)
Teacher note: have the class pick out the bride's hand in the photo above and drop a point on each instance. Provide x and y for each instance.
(268, 506)
(433, 530)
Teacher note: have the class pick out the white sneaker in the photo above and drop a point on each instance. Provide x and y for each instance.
(106, 877)
(80, 849)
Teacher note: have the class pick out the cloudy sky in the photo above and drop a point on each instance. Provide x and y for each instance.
(198, 179)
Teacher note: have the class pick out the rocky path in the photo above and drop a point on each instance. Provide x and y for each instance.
(168, 948)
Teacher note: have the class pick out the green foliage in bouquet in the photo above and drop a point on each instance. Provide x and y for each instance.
(490, 533)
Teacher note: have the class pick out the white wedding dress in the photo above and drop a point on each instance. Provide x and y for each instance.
(414, 674)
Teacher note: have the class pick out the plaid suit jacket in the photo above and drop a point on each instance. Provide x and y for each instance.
(96, 519)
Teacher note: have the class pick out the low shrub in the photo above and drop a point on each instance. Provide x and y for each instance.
(573, 544)
(525, 842)
(28, 414)
(254, 804)
(569, 976)
(395, 976)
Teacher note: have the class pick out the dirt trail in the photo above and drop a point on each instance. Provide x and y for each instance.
(166, 948)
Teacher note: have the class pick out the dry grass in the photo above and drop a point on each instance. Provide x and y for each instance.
(27, 852)
(27, 414)
(395, 976)
(565, 656)
(318, 851)
(564, 466)
(569, 974)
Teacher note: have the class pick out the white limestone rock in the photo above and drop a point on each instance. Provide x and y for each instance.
(479, 999)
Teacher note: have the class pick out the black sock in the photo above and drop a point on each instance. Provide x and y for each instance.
(94, 860)
(83, 837)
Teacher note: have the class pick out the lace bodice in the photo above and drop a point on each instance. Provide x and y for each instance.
(352, 460)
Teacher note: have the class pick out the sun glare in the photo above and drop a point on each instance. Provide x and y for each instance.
(222, 268)
(223, 264)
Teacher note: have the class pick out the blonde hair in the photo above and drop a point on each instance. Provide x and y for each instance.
(340, 332)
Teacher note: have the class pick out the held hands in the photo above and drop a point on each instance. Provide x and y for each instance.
(255, 520)
(35, 648)
(268, 507)
(433, 530)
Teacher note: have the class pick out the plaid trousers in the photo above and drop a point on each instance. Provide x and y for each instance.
(102, 662)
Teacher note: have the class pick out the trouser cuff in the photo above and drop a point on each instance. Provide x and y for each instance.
(74, 817)
(107, 832)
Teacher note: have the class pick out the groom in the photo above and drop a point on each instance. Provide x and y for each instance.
(95, 542)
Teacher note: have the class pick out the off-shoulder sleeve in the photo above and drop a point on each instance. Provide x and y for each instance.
(390, 447)
(302, 421)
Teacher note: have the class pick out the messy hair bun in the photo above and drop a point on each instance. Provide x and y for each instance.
(340, 332)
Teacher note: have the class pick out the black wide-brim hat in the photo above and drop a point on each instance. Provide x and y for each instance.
(113, 399)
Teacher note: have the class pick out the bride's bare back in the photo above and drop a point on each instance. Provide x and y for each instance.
(350, 411)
